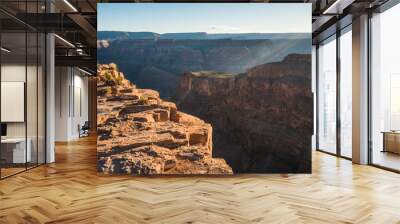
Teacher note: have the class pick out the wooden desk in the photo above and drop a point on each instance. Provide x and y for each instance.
(13, 150)
(391, 141)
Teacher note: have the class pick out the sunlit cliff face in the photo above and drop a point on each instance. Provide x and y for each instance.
(141, 134)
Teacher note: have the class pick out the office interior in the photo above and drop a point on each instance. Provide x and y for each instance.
(48, 68)
(356, 84)
(48, 65)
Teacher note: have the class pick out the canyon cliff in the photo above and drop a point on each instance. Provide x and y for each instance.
(155, 63)
(140, 134)
(262, 118)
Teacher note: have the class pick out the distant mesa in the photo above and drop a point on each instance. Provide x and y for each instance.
(121, 35)
(156, 63)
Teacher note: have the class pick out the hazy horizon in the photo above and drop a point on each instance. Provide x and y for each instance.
(211, 18)
(195, 32)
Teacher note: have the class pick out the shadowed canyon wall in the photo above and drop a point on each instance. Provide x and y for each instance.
(262, 119)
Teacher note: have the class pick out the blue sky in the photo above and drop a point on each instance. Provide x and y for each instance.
(205, 17)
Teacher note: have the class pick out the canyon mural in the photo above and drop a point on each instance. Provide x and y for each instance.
(204, 103)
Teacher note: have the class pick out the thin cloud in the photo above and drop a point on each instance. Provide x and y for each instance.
(223, 29)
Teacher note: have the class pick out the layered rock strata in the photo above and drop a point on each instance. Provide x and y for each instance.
(139, 133)
(262, 118)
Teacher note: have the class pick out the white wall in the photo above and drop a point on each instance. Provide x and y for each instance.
(62, 81)
(16, 73)
(71, 102)
(12, 73)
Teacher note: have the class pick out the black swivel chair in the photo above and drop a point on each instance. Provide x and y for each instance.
(84, 130)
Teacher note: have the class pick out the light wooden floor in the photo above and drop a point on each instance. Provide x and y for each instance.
(71, 192)
(387, 159)
(10, 171)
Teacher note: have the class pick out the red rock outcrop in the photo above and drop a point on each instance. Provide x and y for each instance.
(262, 118)
(139, 133)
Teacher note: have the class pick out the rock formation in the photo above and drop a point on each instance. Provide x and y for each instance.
(159, 63)
(139, 133)
(262, 119)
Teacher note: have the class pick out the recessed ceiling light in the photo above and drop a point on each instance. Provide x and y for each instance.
(65, 41)
(86, 72)
(70, 5)
(5, 50)
(79, 51)
(333, 6)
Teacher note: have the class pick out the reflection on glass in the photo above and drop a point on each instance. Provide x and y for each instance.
(22, 90)
(13, 83)
(394, 102)
(327, 96)
(31, 97)
(385, 89)
(346, 94)
(41, 99)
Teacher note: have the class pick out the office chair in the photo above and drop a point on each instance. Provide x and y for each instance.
(84, 130)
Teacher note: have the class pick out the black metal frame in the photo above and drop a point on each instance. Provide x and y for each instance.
(369, 114)
(44, 80)
(338, 97)
(0, 91)
(338, 153)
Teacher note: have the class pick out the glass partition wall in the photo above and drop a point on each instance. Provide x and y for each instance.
(334, 94)
(385, 89)
(22, 98)
(327, 95)
(345, 62)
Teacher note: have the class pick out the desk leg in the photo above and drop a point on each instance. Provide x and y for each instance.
(384, 142)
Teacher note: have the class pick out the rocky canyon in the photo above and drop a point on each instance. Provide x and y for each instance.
(250, 94)
(141, 134)
(262, 118)
(157, 61)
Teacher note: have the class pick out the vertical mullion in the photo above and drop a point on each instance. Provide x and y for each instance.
(80, 102)
(338, 82)
(73, 92)
(60, 88)
(45, 87)
(45, 95)
(369, 96)
(37, 90)
(317, 96)
(26, 86)
(0, 95)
